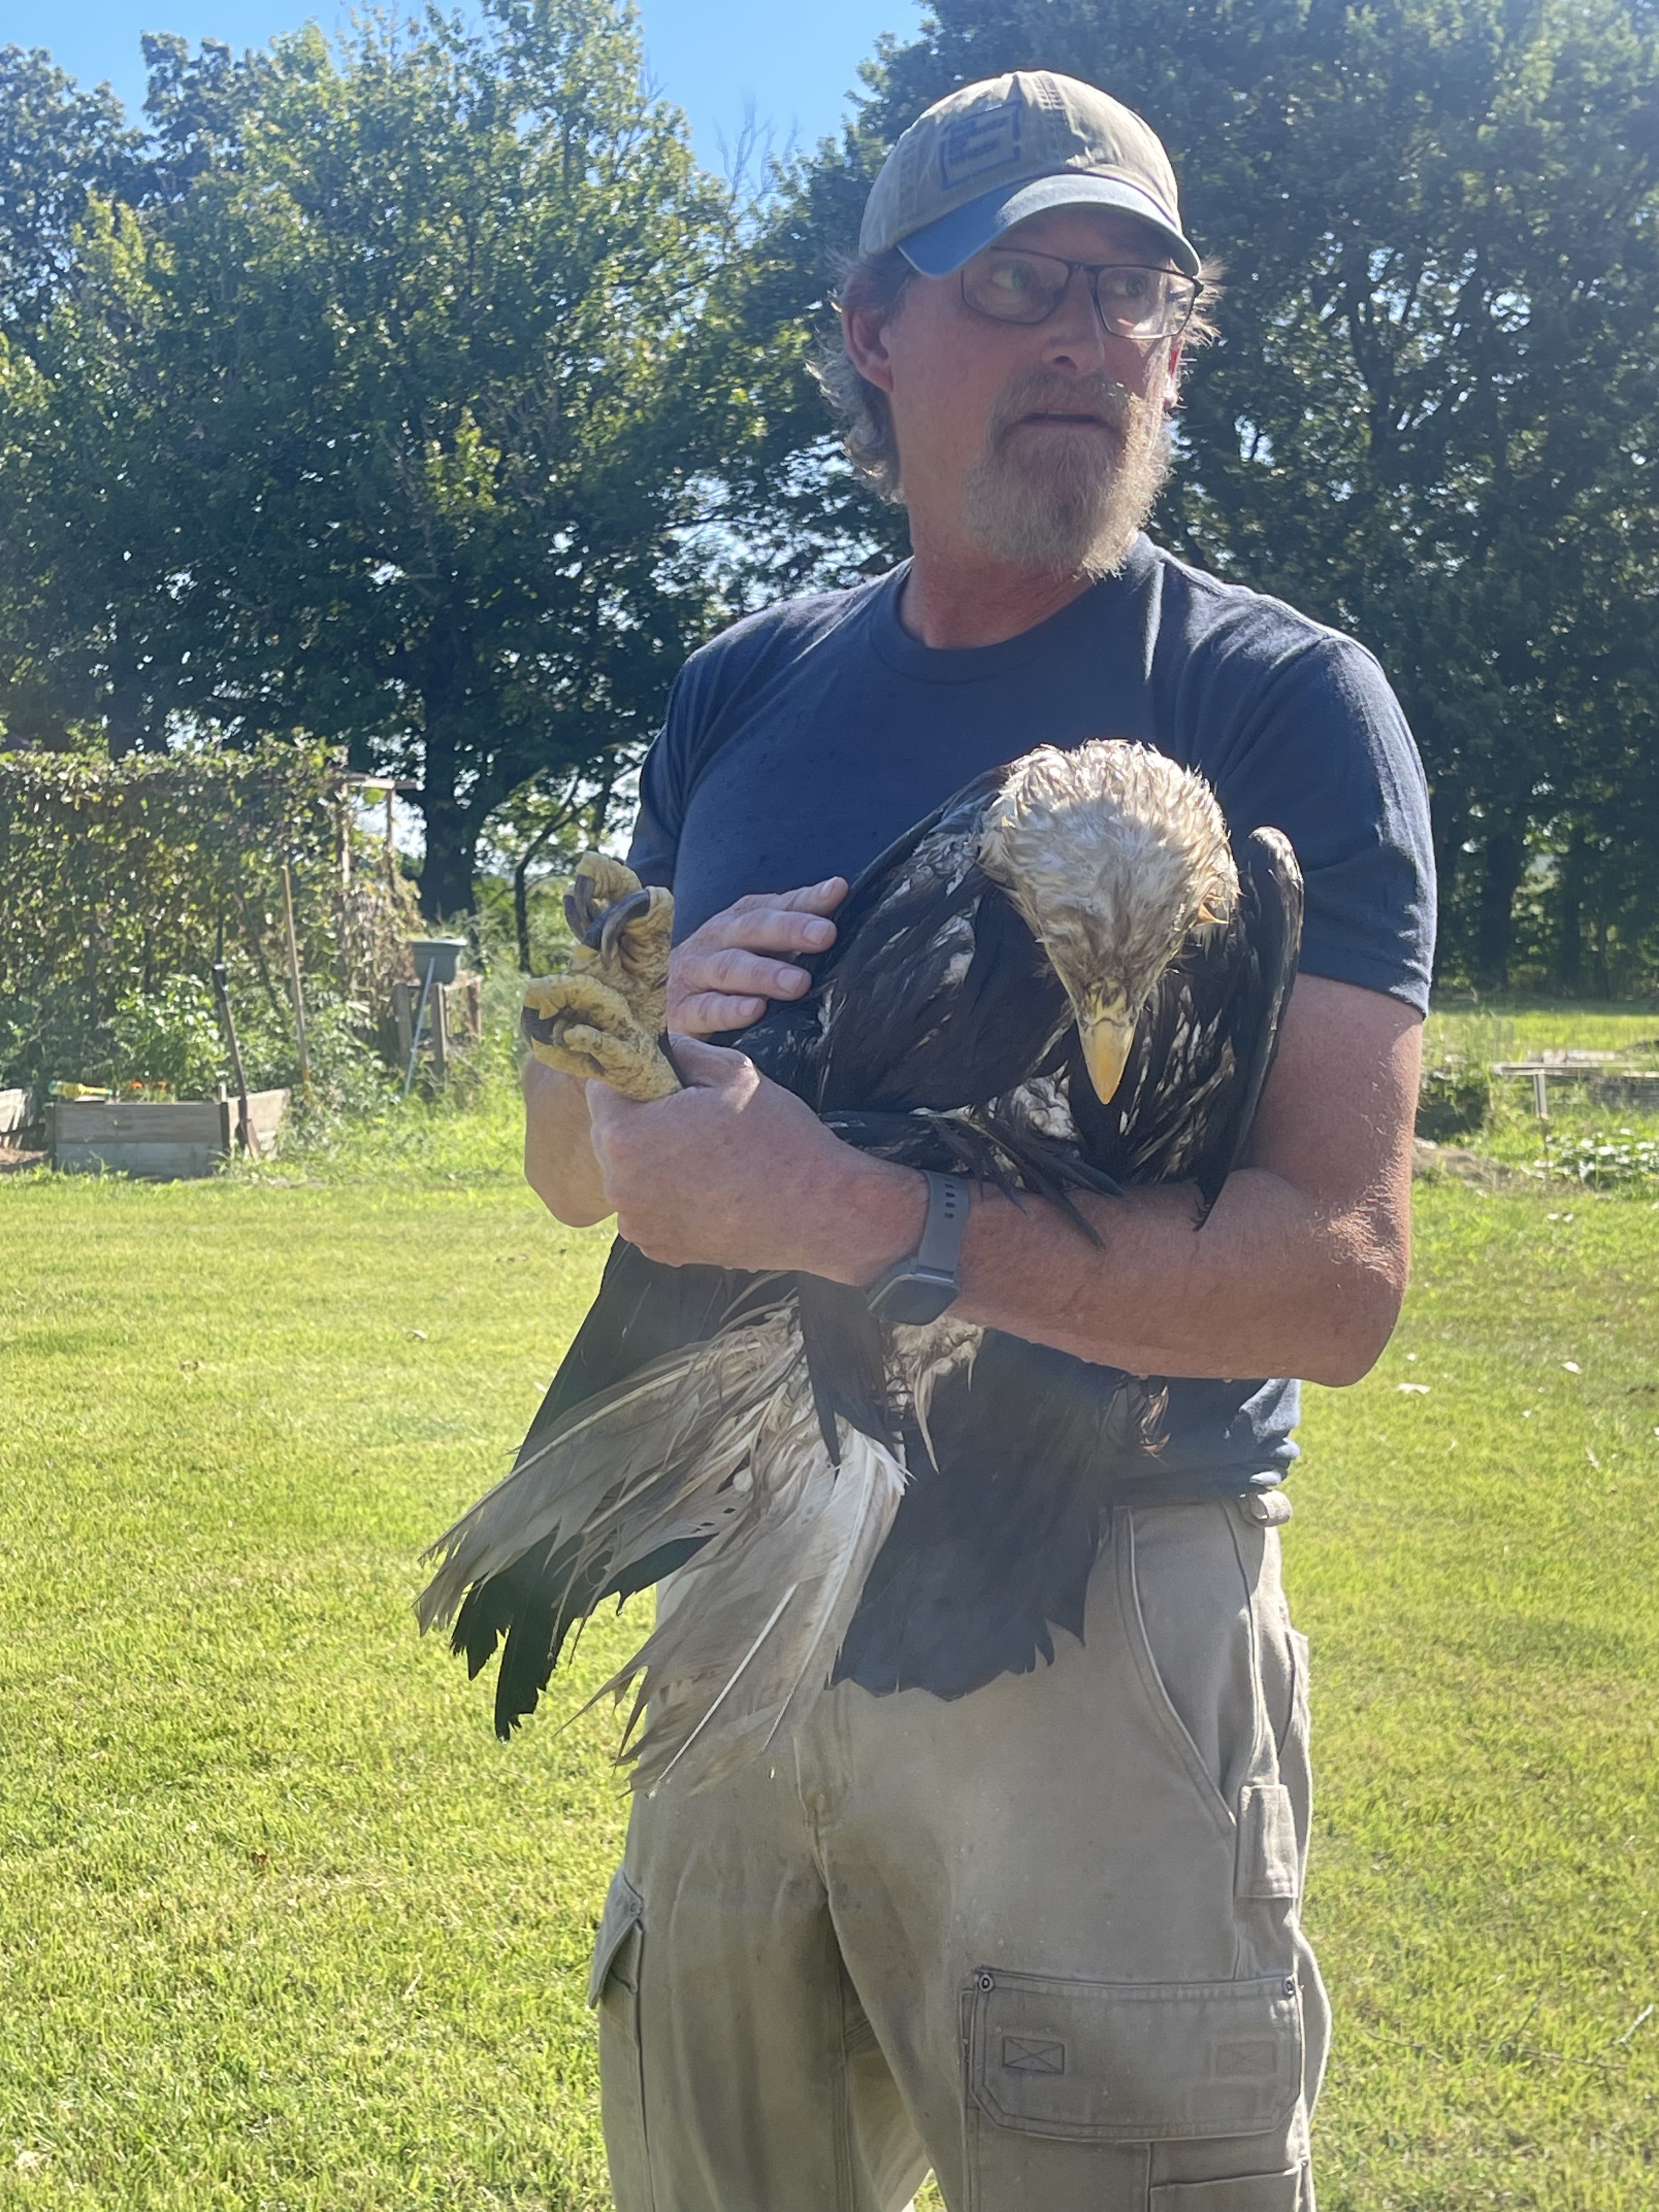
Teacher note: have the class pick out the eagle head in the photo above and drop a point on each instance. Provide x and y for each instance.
(1113, 854)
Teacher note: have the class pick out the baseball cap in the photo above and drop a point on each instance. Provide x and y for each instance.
(988, 154)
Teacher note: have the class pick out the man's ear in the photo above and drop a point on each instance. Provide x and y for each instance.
(1172, 375)
(864, 330)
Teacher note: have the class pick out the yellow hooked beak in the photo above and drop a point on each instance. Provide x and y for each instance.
(1107, 1029)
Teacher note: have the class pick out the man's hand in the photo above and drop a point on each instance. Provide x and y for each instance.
(734, 1171)
(720, 978)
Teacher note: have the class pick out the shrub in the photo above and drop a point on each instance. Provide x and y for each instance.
(168, 1038)
(1605, 1163)
(1454, 1100)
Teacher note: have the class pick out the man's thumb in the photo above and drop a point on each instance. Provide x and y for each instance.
(703, 1067)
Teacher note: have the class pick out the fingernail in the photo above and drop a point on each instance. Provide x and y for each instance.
(820, 932)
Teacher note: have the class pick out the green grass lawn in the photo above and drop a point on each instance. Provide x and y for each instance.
(284, 1927)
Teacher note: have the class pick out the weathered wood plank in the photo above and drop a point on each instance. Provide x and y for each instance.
(150, 1163)
(186, 1121)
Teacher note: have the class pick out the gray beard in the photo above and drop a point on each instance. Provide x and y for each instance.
(1075, 508)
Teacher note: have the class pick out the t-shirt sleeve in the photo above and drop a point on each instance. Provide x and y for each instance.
(1329, 759)
(656, 837)
(665, 779)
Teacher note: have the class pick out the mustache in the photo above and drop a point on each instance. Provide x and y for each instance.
(1039, 392)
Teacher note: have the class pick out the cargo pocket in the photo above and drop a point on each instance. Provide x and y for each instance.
(613, 1987)
(1238, 2192)
(1071, 2082)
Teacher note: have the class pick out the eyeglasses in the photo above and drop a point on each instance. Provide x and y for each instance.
(1012, 286)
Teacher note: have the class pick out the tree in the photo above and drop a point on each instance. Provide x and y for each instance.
(417, 364)
(59, 149)
(1432, 414)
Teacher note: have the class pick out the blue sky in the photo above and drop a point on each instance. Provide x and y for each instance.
(796, 62)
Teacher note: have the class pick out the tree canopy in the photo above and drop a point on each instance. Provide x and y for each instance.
(1432, 412)
(383, 401)
(419, 393)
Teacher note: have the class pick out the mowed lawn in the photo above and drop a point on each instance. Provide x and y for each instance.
(282, 1926)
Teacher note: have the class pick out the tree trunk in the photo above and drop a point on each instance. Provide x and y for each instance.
(1505, 856)
(1570, 919)
(452, 826)
(1449, 820)
(446, 872)
(128, 724)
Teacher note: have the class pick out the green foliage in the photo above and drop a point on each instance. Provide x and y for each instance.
(1605, 1163)
(1432, 415)
(440, 309)
(117, 875)
(169, 1038)
(1453, 1100)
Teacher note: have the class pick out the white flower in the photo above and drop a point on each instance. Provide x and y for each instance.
(1421, 1390)
(1572, 1367)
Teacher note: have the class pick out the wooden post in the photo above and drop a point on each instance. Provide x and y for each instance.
(440, 1031)
(403, 1013)
(244, 1118)
(390, 843)
(472, 999)
(294, 979)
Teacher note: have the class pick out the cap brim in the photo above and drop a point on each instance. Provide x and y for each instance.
(939, 249)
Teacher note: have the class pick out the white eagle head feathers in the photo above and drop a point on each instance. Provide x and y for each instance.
(1113, 854)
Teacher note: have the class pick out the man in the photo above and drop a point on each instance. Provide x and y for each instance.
(1043, 1938)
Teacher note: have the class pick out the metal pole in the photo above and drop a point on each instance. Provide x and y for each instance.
(414, 1049)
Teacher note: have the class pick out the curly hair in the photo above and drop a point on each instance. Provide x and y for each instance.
(861, 409)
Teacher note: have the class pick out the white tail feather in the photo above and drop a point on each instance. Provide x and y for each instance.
(628, 1468)
(735, 1667)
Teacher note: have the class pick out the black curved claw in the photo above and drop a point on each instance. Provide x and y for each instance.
(538, 1029)
(579, 907)
(604, 932)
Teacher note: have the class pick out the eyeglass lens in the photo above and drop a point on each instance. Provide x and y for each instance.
(1013, 286)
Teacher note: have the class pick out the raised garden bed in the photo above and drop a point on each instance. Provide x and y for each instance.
(157, 1143)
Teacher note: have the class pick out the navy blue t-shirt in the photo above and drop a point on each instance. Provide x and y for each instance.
(804, 740)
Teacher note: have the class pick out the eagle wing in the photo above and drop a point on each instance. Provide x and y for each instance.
(935, 995)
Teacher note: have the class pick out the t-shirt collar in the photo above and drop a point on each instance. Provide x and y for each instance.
(974, 664)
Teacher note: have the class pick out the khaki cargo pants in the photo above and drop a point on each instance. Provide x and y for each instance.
(1043, 1939)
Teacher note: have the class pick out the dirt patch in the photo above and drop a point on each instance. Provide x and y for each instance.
(1432, 1161)
(12, 1160)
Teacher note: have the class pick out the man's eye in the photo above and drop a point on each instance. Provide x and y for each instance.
(1128, 287)
(1017, 278)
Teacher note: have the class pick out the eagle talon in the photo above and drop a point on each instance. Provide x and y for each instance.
(622, 931)
(584, 1028)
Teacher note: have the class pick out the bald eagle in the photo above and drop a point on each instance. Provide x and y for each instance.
(1066, 979)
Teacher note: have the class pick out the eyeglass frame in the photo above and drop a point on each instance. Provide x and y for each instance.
(1094, 270)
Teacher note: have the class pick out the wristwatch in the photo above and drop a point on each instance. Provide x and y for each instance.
(920, 1288)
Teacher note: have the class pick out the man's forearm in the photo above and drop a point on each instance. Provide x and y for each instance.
(558, 1152)
(1272, 1284)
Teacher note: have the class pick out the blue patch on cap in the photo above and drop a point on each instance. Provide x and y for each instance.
(939, 249)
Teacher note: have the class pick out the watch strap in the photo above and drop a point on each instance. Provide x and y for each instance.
(940, 1249)
(922, 1287)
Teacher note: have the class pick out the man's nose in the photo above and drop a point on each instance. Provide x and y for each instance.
(1074, 337)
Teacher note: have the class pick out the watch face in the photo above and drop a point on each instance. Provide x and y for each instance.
(914, 1298)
